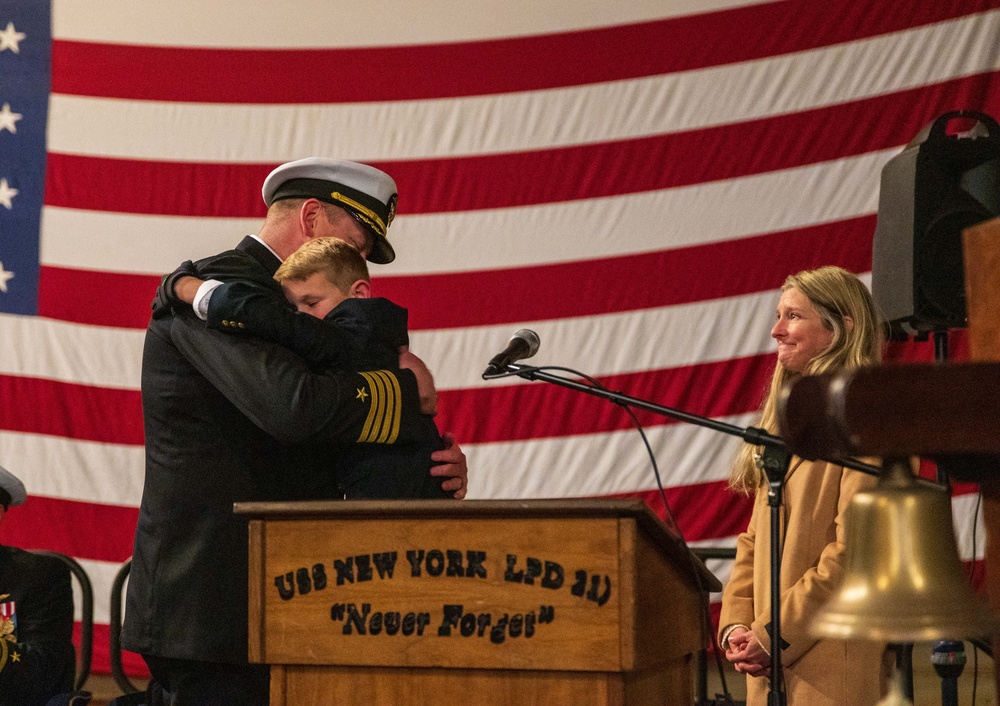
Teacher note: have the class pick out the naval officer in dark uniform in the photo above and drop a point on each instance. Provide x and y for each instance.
(226, 417)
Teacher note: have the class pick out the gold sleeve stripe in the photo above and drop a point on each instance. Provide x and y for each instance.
(373, 388)
(385, 410)
(397, 407)
(381, 401)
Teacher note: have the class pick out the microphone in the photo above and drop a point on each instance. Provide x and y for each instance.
(523, 344)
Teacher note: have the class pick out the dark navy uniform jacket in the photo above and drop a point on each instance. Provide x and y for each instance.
(229, 419)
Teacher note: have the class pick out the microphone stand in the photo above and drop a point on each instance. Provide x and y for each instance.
(775, 464)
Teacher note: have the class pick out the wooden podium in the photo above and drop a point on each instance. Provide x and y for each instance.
(486, 602)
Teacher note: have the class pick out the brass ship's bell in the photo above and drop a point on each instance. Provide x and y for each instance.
(903, 581)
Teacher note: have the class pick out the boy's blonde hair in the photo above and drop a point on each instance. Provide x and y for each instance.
(338, 261)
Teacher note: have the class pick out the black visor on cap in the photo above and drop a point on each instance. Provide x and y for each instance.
(381, 252)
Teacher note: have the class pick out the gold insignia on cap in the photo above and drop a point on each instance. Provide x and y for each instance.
(369, 216)
(382, 424)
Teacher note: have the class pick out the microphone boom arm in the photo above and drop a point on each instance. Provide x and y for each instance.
(752, 435)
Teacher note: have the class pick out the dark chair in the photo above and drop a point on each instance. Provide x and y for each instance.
(78, 697)
(117, 586)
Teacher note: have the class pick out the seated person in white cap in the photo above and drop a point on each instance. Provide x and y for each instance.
(328, 281)
(37, 660)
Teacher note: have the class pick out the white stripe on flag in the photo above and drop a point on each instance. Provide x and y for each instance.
(41, 462)
(267, 24)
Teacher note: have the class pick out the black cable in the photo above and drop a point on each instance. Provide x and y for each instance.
(706, 604)
(975, 526)
(972, 581)
(975, 671)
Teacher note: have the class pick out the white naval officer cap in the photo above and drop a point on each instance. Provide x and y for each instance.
(367, 193)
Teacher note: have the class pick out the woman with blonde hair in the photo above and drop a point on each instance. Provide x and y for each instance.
(826, 321)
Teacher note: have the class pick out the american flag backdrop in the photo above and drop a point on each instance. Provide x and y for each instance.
(633, 180)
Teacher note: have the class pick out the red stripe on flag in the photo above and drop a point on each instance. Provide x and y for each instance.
(81, 529)
(480, 67)
(168, 188)
(70, 410)
(537, 176)
(709, 389)
(703, 511)
(682, 276)
(129, 296)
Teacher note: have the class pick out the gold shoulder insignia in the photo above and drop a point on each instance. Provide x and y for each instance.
(385, 411)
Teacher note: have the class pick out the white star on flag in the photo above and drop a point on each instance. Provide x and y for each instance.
(8, 118)
(7, 194)
(5, 277)
(10, 37)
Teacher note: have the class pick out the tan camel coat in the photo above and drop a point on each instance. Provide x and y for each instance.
(817, 673)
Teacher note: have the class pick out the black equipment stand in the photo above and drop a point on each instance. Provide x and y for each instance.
(775, 462)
